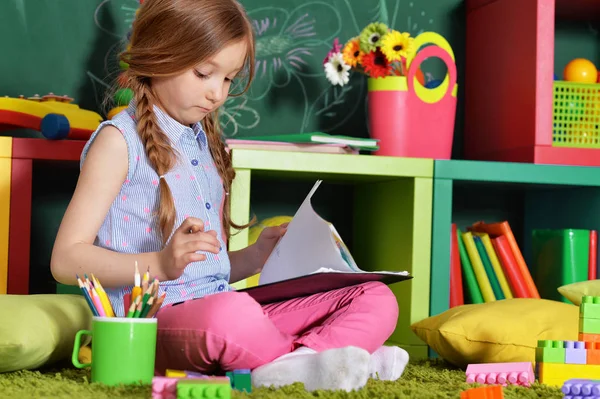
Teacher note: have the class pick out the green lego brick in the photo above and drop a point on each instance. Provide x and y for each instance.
(203, 389)
(241, 380)
(589, 326)
(548, 351)
(590, 307)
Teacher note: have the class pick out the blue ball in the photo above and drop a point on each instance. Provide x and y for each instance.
(432, 84)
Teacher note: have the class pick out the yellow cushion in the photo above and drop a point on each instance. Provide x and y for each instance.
(500, 331)
(37, 330)
(574, 292)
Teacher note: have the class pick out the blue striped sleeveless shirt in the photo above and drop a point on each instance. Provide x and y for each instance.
(131, 226)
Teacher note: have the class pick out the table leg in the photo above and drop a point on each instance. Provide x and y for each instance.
(20, 226)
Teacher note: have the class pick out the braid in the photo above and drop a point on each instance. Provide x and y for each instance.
(159, 152)
(223, 162)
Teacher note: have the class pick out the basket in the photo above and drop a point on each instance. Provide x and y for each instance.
(408, 119)
(576, 115)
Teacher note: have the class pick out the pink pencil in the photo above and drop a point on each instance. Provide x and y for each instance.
(98, 303)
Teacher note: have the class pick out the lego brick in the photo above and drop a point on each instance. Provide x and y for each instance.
(489, 392)
(213, 388)
(589, 337)
(581, 388)
(549, 351)
(164, 387)
(556, 374)
(575, 352)
(589, 326)
(593, 352)
(518, 373)
(590, 307)
(240, 380)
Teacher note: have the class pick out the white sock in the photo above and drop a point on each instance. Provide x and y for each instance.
(343, 368)
(388, 363)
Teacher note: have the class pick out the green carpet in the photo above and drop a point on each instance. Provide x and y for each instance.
(422, 380)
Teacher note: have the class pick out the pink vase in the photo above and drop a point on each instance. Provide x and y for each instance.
(409, 119)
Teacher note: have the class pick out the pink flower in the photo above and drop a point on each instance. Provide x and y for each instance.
(337, 47)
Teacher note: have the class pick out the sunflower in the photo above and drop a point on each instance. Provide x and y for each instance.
(352, 53)
(370, 36)
(396, 45)
(376, 65)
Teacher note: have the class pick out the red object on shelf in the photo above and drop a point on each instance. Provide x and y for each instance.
(24, 152)
(509, 81)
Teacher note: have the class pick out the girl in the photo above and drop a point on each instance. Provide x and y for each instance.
(154, 187)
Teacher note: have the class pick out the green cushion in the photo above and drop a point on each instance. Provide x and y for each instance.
(38, 330)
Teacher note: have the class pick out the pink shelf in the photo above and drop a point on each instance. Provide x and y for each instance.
(509, 81)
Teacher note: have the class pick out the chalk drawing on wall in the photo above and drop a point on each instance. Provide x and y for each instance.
(291, 43)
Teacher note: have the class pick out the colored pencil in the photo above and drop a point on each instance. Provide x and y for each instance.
(137, 290)
(86, 294)
(156, 306)
(147, 306)
(133, 306)
(146, 280)
(138, 308)
(103, 297)
(98, 303)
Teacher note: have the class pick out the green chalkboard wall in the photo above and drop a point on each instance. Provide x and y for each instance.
(70, 47)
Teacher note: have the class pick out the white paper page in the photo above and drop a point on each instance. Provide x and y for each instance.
(306, 247)
(327, 270)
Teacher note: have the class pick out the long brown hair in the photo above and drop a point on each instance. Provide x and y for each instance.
(168, 38)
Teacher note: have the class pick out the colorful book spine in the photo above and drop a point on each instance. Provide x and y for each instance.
(482, 278)
(593, 257)
(473, 291)
(511, 268)
(489, 270)
(491, 252)
(456, 285)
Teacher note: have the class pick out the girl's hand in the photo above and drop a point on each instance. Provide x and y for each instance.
(182, 249)
(266, 241)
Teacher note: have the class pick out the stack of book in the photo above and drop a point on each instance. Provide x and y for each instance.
(305, 142)
(487, 261)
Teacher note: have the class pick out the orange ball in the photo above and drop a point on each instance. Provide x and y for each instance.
(420, 77)
(580, 70)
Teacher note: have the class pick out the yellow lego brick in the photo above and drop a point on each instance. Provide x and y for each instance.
(175, 373)
(5, 178)
(555, 374)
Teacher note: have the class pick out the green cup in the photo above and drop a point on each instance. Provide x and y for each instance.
(123, 350)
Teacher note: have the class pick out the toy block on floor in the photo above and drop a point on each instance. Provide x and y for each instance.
(241, 380)
(555, 374)
(489, 392)
(575, 352)
(593, 352)
(550, 351)
(518, 373)
(589, 307)
(589, 337)
(581, 389)
(164, 388)
(204, 388)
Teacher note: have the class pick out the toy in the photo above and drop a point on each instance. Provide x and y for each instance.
(489, 392)
(240, 380)
(559, 361)
(578, 388)
(580, 70)
(217, 387)
(520, 373)
(56, 117)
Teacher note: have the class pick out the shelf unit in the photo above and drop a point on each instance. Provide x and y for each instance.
(509, 80)
(528, 196)
(391, 218)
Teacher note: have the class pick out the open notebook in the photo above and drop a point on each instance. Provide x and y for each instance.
(311, 258)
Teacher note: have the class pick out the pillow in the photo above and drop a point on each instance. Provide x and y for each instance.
(499, 331)
(38, 330)
(573, 292)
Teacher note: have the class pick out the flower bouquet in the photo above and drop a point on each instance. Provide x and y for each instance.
(408, 118)
(377, 52)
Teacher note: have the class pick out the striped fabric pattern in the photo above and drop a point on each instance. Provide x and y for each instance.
(131, 224)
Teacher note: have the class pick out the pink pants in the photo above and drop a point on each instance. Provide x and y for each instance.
(230, 330)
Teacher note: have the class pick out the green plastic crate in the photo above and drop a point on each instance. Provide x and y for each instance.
(560, 257)
(576, 115)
